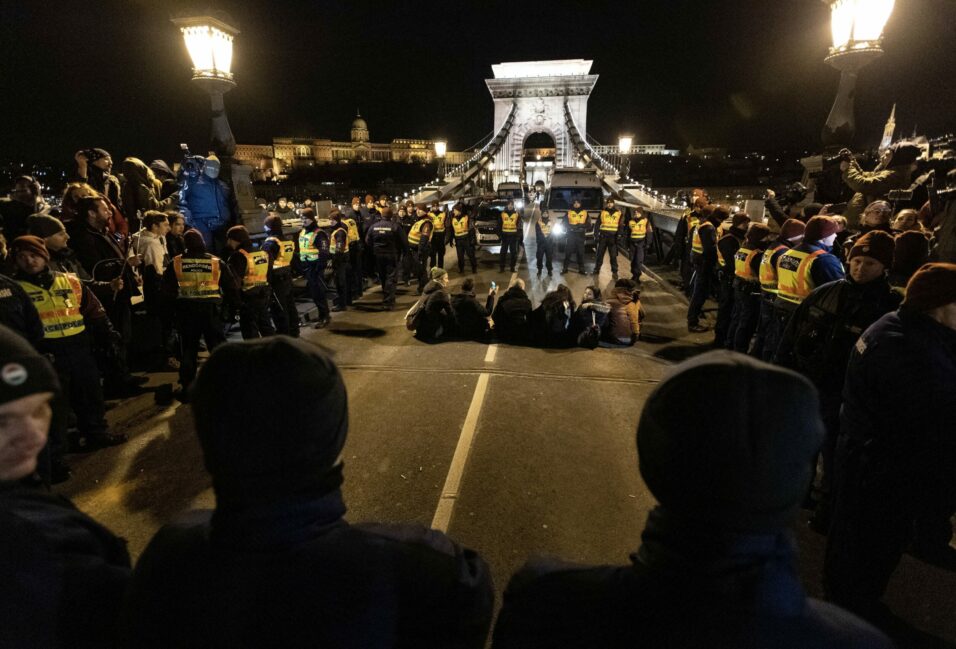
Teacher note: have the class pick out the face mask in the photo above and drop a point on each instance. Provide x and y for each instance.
(211, 169)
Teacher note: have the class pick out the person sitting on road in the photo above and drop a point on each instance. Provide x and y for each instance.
(512, 314)
(551, 320)
(63, 574)
(590, 320)
(472, 318)
(717, 563)
(276, 564)
(624, 320)
(437, 318)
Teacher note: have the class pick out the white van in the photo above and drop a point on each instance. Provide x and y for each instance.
(567, 186)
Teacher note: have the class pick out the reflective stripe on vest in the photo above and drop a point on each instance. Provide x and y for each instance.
(610, 222)
(198, 277)
(333, 241)
(743, 263)
(59, 306)
(509, 222)
(768, 271)
(638, 229)
(307, 249)
(460, 225)
(415, 234)
(257, 269)
(794, 282)
(577, 218)
(286, 253)
(352, 228)
(696, 246)
(438, 220)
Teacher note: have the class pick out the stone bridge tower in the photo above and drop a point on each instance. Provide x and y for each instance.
(540, 89)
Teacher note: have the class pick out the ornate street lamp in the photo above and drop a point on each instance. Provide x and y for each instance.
(441, 148)
(624, 143)
(209, 40)
(857, 27)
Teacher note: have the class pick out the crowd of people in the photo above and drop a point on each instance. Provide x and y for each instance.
(857, 303)
(838, 360)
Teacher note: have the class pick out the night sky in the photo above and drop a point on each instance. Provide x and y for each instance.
(736, 73)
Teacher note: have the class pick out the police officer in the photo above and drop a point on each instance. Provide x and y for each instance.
(251, 269)
(405, 263)
(747, 286)
(804, 267)
(197, 283)
(638, 230)
(419, 244)
(544, 243)
(510, 227)
(314, 255)
(727, 246)
(704, 257)
(574, 241)
(606, 230)
(67, 309)
(281, 254)
(463, 230)
(340, 247)
(439, 219)
(765, 338)
(387, 241)
(353, 221)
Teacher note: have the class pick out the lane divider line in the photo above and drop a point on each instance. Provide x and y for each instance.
(451, 489)
(491, 353)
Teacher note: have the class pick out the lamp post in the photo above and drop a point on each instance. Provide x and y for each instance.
(441, 148)
(857, 27)
(209, 40)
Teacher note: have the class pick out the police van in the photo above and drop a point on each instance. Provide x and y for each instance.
(512, 191)
(568, 186)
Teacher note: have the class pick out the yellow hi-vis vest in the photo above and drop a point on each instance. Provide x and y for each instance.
(286, 253)
(768, 271)
(743, 266)
(794, 281)
(577, 218)
(59, 306)
(545, 228)
(198, 277)
(509, 222)
(697, 247)
(610, 221)
(307, 249)
(415, 234)
(638, 228)
(333, 240)
(352, 228)
(438, 220)
(460, 225)
(257, 269)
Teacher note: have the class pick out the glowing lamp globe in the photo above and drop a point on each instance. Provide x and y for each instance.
(441, 147)
(209, 40)
(624, 144)
(857, 27)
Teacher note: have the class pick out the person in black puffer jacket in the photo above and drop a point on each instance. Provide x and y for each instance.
(512, 315)
(437, 318)
(551, 321)
(471, 316)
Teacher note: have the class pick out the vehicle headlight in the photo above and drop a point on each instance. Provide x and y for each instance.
(558, 228)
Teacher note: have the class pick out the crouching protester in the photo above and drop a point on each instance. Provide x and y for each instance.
(276, 564)
(434, 318)
(63, 575)
(472, 318)
(717, 564)
(626, 315)
(590, 319)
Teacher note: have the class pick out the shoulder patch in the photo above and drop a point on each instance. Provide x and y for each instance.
(860, 345)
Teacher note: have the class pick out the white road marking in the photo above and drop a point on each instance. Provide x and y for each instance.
(490, 354)
(449, 492)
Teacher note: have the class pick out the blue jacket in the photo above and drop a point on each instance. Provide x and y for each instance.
(205, 198)
(825, 268)
(715, 591)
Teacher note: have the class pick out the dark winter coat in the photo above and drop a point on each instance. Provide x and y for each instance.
(471, 317)
(299, 575)
(822, 331)
(511, 316)
(103, 258)
(588, 316)
(17, 311)
(63, 574)
(437, 318)
(682, 591)
(899, 400)
(551, 321)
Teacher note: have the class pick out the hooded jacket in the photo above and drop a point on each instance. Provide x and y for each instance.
(437, 318)
(624, 321)
(471, 317)
(511, 316)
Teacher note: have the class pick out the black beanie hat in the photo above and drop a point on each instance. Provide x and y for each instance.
(23, 371)
(272, 417)
(741, 458)
(44, 225)
(193, 241)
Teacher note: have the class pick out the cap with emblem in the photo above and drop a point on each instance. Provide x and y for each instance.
(23, 371)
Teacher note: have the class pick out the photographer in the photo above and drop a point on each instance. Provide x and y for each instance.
(893, 172)
(790, 209)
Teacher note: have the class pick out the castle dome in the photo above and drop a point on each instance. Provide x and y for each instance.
(358, 122)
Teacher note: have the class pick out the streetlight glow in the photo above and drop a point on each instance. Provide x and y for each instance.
(209, 41)
(856, 22)
(624, 143)
(441, 147)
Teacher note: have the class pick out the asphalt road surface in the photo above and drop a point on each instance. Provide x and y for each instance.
(515, 451)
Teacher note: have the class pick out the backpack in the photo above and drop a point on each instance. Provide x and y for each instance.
(414, 314)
